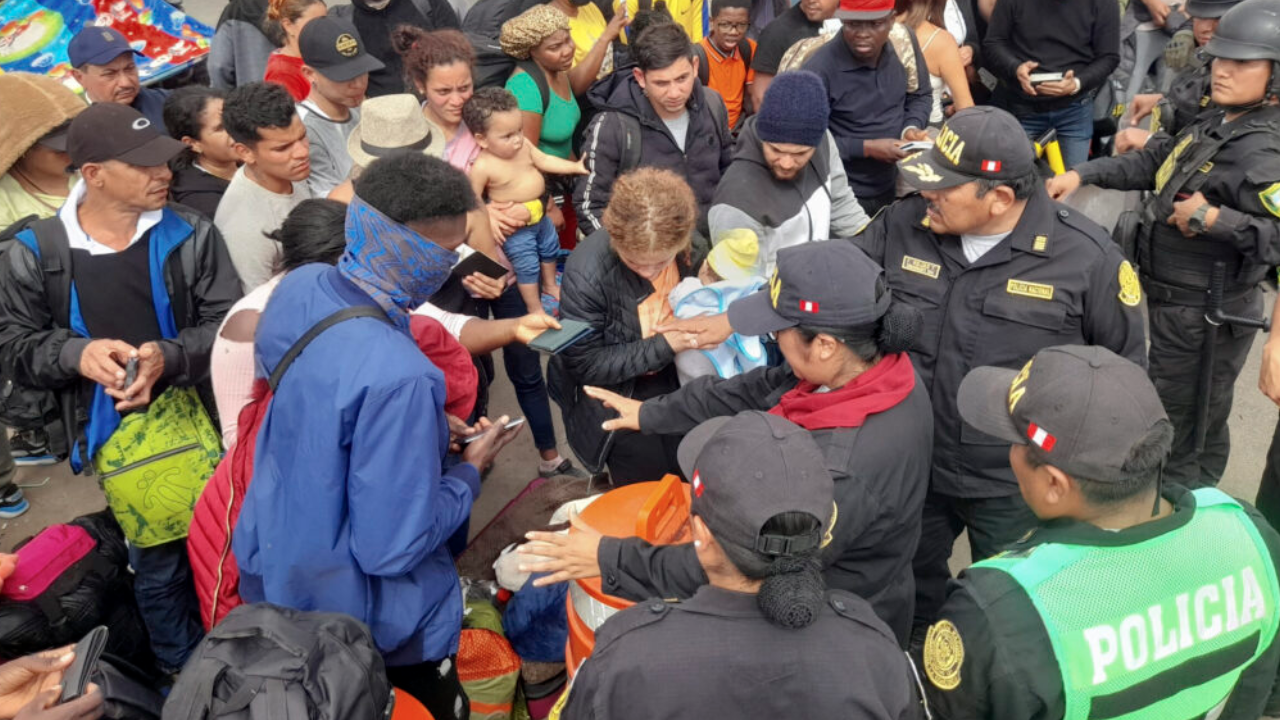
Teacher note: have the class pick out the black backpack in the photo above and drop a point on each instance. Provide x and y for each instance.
(21, 407)
(88, 584)
(264, 662)
(486, 17)
(493, 67)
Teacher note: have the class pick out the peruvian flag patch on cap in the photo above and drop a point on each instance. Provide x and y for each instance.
(808, 306)
(697, 484)
(990, 166)
(1041, 437)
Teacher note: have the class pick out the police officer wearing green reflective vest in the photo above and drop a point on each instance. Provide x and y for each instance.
(1133, 599)
(1215, 201)
(998, 271)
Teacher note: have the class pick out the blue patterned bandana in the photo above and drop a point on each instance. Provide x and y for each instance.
(396, 266)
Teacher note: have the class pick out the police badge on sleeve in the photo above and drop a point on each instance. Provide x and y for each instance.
(1271, 199)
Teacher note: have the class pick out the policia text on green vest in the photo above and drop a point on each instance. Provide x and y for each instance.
(1168, 628)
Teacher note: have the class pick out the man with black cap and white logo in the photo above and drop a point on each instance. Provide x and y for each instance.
(114, 303)
(999, 271)
(764, 638)
(1135, 599)
(338, 66)
(102, 61)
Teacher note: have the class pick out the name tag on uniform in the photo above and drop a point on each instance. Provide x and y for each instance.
(1039, 291)
(922, 267)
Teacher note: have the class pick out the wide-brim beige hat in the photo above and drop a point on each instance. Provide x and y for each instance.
(391, 124)
(31, 106)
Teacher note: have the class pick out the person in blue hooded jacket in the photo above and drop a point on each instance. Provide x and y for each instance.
(350, 507)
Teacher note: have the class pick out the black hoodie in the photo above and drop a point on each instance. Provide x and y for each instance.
(708, 145)
(815, 205)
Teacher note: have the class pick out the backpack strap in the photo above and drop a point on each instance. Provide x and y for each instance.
(539, 78)
(296, 349)
(630, 159)
(744, 51)
(704, 71)
(53, 250)
(715, 104)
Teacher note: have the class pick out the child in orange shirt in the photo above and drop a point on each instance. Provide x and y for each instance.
(724, 57)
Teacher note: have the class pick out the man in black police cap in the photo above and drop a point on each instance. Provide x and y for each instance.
(152, 283)
(1215, 202)
(103, 62)
(1134, 599)
(999, 271)
(764, 639)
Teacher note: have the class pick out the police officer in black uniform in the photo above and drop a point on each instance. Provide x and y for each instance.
(1189, 92)
(1215, 199)
(764, 639)
(999, 271)
(1131, 600)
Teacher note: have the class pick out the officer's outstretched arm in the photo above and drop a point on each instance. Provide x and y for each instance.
(1132, 171)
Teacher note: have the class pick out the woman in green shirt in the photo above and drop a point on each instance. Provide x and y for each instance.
(541, 34)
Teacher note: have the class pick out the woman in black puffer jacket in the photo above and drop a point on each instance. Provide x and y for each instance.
(618, 281)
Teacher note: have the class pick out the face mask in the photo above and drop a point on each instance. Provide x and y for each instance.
(396, 266)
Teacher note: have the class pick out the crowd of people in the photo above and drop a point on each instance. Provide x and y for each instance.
(818, 266)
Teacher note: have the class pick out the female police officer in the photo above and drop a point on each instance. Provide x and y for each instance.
(1216, 200)
(763, 639)
(849, 383)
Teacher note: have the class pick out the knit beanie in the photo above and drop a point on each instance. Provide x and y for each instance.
(794, 110)
(31, 106)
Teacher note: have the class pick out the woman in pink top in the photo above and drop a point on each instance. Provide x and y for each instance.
(285, 21)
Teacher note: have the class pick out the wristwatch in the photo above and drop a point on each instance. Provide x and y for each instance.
(1196, 221)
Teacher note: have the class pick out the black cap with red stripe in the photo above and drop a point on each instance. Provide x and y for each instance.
(978, 142)
(830, 284)
(1085, 408)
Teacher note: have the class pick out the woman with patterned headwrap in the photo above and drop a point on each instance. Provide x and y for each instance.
(541, 34)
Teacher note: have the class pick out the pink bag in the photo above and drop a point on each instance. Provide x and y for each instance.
(45, 558)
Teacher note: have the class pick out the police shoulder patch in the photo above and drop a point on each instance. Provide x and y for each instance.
(1270, 198)
(943, 655)
(1130, 288)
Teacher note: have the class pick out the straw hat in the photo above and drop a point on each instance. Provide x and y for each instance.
(31, 106)
(391, 124)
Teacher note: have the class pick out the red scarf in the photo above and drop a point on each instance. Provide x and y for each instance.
(876, 390)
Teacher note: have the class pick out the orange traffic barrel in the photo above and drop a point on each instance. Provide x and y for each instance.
(407, 707)
(654, 511)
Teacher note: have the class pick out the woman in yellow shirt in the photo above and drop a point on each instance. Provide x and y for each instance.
(593, 38)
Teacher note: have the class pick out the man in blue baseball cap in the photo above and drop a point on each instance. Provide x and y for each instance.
(102, 61)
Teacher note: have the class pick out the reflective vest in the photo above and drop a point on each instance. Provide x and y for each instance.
(1158, 629)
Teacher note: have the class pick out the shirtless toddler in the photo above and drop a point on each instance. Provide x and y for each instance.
(509, 169)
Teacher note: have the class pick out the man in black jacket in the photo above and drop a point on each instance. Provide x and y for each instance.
(151, 284)
(662, 108)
